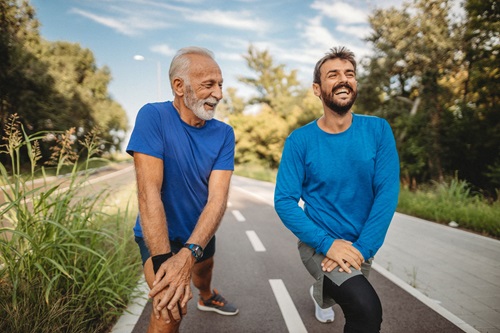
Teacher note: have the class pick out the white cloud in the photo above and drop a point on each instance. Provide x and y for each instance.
(358, 31)
(231, 56)
(317, 35)
(163, 49)
(129, 25)
(340, 11)
(241, 20)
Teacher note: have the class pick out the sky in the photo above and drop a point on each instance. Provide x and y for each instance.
(296, 33)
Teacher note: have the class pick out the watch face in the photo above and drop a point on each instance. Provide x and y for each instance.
(196, 250)
(198, 253)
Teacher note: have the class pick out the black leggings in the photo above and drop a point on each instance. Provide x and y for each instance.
(359, 302)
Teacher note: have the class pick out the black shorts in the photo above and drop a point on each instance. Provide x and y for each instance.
(208, 251)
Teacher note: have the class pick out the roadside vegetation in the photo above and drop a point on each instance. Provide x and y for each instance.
(67, 259)
(453, 201)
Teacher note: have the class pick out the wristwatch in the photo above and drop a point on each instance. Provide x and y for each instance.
(196, 250)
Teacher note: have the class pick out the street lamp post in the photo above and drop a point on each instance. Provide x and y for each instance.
(139, 57)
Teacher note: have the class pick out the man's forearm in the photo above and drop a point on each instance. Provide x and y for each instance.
(154, 226)
(209, 222)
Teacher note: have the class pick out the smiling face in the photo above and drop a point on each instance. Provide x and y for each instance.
(203, 89)
(338, 87)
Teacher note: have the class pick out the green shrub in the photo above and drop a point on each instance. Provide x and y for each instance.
(452, 201)
(66, 263)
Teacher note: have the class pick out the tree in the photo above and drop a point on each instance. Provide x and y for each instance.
(276, 88)
(79, 79)
(415, 51)
(284, 106)
(52, 86)
(480, 115)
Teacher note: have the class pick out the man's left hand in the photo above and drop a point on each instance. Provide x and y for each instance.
(174, 277)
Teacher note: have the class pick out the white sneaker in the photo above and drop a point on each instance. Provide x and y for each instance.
(323, 315)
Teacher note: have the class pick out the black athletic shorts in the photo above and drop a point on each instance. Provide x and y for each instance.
(175, 247)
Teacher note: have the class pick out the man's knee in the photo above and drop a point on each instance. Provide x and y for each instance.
(362, 306)
(160, 326)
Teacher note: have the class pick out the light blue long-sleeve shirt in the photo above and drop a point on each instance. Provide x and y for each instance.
(349, 183)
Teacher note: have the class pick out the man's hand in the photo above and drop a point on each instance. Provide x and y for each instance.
(342, 254)
(172, 286)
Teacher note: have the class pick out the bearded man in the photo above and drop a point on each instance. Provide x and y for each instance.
(345, 168)
(184, 161)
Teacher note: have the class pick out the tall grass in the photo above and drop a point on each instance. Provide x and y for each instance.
(66, 258)
(452, 201)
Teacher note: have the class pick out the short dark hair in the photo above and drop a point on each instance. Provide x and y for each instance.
(340, 52)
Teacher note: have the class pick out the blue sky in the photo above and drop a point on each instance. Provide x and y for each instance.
(296, 33)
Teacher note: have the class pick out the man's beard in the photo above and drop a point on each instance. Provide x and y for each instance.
(198, 105)
(342, 107)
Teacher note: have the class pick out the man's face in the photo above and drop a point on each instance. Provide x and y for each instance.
(338, 88)
(203, 91)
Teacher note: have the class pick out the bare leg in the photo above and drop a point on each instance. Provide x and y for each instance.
(202, 277)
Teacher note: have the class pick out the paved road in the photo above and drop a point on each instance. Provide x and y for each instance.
(268, 282)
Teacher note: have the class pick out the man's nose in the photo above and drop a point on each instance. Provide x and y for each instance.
(217, 92)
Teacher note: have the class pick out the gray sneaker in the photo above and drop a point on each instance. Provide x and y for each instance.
(218, 304)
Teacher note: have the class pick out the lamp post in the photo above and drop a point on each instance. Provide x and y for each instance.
(139, 57)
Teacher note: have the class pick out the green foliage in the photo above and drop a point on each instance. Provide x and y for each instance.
(53, 86)
(64, 260)
(274, 85)
(284, 106)
(452, 201)
(259, 138)
(435, 78)
(256, 171)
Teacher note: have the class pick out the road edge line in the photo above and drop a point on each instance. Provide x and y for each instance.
(426, 300)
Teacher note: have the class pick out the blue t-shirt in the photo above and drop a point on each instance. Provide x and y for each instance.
(349, 183)
(189, 155)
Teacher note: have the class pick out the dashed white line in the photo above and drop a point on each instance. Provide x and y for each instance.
(239, 217)
(288, 310)
(255, 240)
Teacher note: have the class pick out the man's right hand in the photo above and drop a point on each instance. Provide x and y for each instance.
(344, 255)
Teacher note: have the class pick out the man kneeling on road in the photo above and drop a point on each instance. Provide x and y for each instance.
(184, 160)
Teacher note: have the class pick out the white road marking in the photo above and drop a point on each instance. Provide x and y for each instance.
(424, 299)
(288, 310)
(255, 240)
(239, 217)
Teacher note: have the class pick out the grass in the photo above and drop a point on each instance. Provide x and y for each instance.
(255, 171)
(439, 202)
(452, 201)
(67, 259)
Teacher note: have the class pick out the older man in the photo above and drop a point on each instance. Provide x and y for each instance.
(184, 161)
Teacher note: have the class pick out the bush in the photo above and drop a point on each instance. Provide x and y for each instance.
(65, 259)
(452, 201)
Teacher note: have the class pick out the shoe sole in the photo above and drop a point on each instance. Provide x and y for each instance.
(209, 308)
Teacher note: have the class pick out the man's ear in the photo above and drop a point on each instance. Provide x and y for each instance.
(317, 89)
(178, 86)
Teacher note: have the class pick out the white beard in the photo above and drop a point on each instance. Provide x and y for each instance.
(198, 105)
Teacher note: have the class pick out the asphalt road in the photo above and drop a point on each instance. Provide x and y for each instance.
(257, 267)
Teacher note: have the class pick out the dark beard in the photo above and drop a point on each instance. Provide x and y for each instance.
(340, 109)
